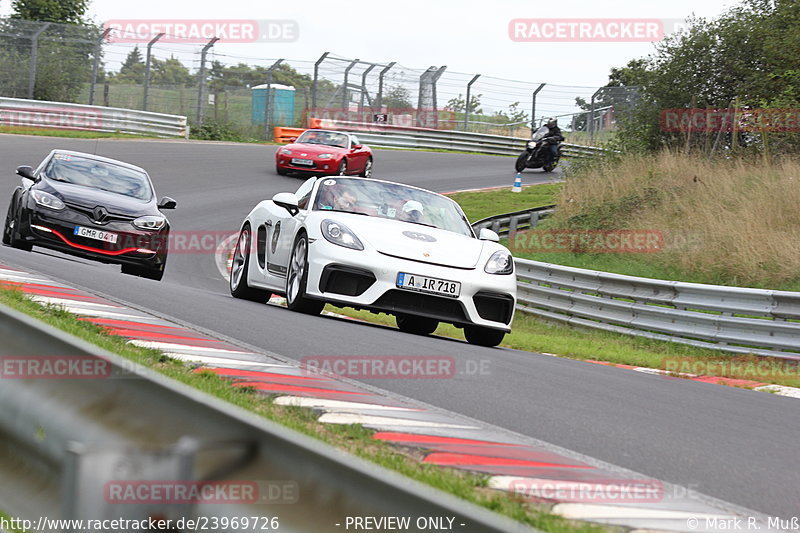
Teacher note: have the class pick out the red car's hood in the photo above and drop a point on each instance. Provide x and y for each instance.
(314, 149)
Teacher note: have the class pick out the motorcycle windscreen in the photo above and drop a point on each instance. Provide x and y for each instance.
(540, 133)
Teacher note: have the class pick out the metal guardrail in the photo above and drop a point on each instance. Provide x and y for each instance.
(409, 137)
(63, 440)
(516, 221)
(731, 319)
(59, 115)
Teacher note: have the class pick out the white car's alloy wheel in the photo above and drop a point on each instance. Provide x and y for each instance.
(296, 279)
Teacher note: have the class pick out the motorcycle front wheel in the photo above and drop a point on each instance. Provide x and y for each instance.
(522, 161)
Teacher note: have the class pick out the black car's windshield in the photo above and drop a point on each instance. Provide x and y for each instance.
(101, 175)
(392, 201)
(329, 138)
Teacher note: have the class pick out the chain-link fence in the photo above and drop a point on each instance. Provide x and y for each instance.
(169, 74)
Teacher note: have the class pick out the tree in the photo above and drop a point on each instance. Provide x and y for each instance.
(132, 69)
(397, 97)
(65, 11)
(459, 105)
(170, 72)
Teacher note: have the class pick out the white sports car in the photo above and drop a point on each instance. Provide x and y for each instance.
(380, 246)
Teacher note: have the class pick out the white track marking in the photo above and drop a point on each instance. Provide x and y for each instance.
(780, 390)
(77, 304)
(587, 511)
(299, 401)
(370, 420)
(172, 347)
(219, 361)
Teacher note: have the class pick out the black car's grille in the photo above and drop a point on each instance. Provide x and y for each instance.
(109, 217)
(494, 306)
(400, 301)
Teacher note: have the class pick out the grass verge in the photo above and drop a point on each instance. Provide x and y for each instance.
(77, 134)
(352, 438)
(482, 204)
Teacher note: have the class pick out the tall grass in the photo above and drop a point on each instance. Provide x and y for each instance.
(733, 221)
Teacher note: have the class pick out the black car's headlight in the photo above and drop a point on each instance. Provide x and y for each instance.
(338, 233)
(150, 222)
(500, 263)
(45, 199)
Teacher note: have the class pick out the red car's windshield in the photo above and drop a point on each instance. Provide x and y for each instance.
(328, 138)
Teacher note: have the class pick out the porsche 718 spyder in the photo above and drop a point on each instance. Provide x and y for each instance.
(380, 246)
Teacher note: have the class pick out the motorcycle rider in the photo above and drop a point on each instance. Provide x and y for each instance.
(553, 138)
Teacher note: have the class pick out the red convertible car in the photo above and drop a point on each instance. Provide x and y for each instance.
(323, 152)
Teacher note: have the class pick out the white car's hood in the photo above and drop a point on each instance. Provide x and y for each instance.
(417, 242)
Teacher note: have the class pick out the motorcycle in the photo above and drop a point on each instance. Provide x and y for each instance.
(537, 153)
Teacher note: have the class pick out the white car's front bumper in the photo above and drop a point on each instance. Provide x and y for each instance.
(345, 280)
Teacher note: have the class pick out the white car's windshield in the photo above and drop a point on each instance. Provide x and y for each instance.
(99, 175)
(329, 138)
(392, 201)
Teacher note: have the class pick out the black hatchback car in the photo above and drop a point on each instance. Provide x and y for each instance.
(93, 207)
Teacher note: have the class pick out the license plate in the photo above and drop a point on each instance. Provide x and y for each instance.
(96, 234)
(296, 161)
(415, 282)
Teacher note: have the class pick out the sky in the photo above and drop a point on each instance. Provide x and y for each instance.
(468, 36)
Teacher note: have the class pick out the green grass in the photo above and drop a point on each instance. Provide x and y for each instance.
(531, 334)
(352, 438)
(482, 204)
(78, 134)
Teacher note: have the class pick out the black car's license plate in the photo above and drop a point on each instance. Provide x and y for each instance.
(96, 234)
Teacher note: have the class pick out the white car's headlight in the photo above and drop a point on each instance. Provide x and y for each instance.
(325, 156)
(45, 199)
(152, 223)
(500, 263)
(286, 151)
(338, 233)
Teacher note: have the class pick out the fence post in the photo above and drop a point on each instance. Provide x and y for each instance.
(466, 107)
(96, 63)
(34, 54)
(364, 88)
(268, 101)
(147, 68)
(379, 100)
(533, 107)
(316, 79)
(201, 80)
(345, 105)
(591, 117)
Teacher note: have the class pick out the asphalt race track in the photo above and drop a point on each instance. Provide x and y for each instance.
(737, 445)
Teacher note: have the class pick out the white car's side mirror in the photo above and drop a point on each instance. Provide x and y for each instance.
(287, 200)
(488, 235)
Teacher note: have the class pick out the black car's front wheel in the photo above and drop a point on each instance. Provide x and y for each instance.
(144, 272)
(10, 235)
(297, 280)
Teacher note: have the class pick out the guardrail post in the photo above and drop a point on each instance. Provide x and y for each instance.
(467, 106)
(34, 57)
(96, 63)
(201, 80)
(147, 69)
(534, 219)
(533, 107)
(268, 102)
(379, 100)
(316, 80)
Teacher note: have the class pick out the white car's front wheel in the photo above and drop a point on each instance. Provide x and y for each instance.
(239, 268)
(483, 336)
(297, 279)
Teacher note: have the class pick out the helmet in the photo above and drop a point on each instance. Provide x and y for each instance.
(412, 205)
(551, 122)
